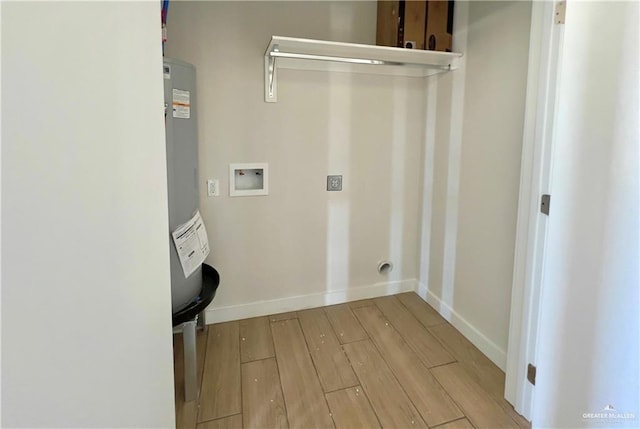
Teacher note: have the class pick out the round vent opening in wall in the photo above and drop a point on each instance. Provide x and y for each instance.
(385, 267)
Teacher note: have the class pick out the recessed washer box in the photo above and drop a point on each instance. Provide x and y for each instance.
(248, 179)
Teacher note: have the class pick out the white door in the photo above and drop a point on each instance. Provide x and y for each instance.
(587, 336)
(588, 339)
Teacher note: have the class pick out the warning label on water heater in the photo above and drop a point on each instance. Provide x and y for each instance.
(181, 104)
(191, 244)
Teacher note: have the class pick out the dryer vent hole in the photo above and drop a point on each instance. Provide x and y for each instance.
(385, 268)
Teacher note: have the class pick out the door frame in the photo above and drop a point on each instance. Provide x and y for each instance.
(545, 53)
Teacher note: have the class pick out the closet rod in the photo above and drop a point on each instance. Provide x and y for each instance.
(279, 54)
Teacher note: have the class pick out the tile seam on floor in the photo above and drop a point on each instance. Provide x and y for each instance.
(450, 349)
(471, 366)
(198, 416)
(240, 361)
(288, 318)
(210, 331)
(347, 387)
(452, 421)
(393, 373)
(333, 328)
(355, 341)
(464, 365)
(218, 418)
(444, 321)
(452, 398)
(204, 362)
(436, 324)
(242, 339)
(426, 328)
(366, 395)
(488, 396)
(336, 331)
(313, 363)
(421, 363)
(464, 414)
(275, 357)
(442, 364)
(370, 300)
(411, 346)
(258, 360)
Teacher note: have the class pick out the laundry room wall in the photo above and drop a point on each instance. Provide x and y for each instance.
(473, 174)
(431, 167)
(301, 245)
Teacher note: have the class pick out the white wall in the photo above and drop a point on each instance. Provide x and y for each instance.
(474, 191)
(302, 240)
(589, 335)
(86, 325)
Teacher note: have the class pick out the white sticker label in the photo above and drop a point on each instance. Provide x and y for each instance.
(191, 244)
(166, 71)
(181, 104)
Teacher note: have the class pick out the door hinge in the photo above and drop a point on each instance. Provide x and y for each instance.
(545, 202)
(561, 8)
(531, 374)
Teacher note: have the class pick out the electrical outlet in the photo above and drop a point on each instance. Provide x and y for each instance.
(213, 188)
(334, 183)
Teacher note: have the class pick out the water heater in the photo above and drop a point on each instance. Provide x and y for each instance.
(182, 168)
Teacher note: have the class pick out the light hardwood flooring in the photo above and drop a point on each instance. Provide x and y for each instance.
(390, 362)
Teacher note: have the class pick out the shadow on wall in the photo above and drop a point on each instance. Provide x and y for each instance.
(370, 212)
(375, 188)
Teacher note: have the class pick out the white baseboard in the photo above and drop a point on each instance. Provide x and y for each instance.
(301, 302)
(262, 308)
(486, 346)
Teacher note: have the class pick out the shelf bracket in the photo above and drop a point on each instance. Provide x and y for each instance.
(270, 77)
(349, 57)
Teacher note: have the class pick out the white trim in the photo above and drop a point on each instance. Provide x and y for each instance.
(293, 303)
(431, 101)
(525, 209)
(544, 53)
(477, 338)
(301, 302)
(454, 157)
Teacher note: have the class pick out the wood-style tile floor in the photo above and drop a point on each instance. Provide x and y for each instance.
(390, 362)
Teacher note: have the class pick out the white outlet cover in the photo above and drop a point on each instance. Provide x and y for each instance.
(213, 188)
